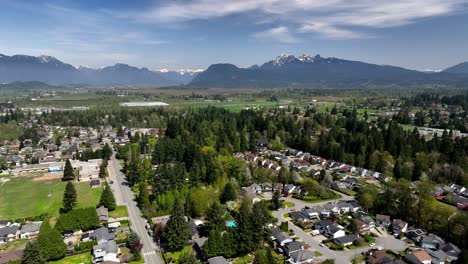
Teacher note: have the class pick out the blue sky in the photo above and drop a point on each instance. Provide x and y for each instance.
(174, 34)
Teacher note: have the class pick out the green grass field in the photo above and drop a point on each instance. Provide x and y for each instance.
(120, 211)
(23, 197)
(78, 259)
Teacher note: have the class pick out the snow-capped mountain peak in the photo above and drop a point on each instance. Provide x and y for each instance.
(309, 58)
(283, 58)
(188, 71)
(83, 67)
(47, 59)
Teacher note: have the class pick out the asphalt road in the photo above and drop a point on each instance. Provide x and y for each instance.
(125, 196)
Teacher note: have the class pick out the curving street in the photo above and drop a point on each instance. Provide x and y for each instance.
(340, 257)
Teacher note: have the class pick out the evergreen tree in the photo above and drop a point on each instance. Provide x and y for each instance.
(106, 152)
(214, 246)
(32, 255)
(143, 196)
(69, 198)
(260, 219)
(275, 200)
(244, 232)
(176, 231)
(50, 243)
(228, 194)
(68, 174)
(188, 205)
(103, 169)
(107, 198)
(215, 216)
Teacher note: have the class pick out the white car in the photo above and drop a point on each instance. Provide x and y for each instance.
(371, 244)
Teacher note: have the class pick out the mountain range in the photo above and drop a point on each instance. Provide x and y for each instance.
(47, 69)
(283, 71)
(317, 71)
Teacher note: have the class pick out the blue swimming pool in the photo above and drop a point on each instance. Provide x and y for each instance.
(231, 223)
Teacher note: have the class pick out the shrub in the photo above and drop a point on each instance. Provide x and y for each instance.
(369, 238)
(84, 246)
(79, 219)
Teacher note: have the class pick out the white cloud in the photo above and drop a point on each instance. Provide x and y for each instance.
(332, 18)
(280, 34)
(330, 31)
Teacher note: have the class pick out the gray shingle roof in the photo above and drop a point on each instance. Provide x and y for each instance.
(218, 260)
(302, 255)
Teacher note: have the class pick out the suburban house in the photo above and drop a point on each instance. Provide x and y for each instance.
(102, 235)
(332, 208)
(9, 233)
(302, 256)
(360, 226)
(312, 213)
(103, 214)
(399, 226)
(329, 229)
(280, 237)
(368, 220)
(345, 240)
(418, 257)
(438, 256)
(218, 260)
(431, 241)
(382, 257)
(299, 217)
(30, 230)
(194, 226)
(415, 234)
(289, 189)
(452, 251)
(457, 188)
(343, 206)
(354, 206)
(266, 187)
(106, 251)
(382, 220)
(292, 247)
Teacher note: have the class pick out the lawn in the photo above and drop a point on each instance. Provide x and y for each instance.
(243, 260)
(12, 245)
(23, 197)
(174, 256)
(288, 204)
(120, 211)
(78, 259)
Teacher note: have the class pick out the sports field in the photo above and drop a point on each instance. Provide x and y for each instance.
(24, 197)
